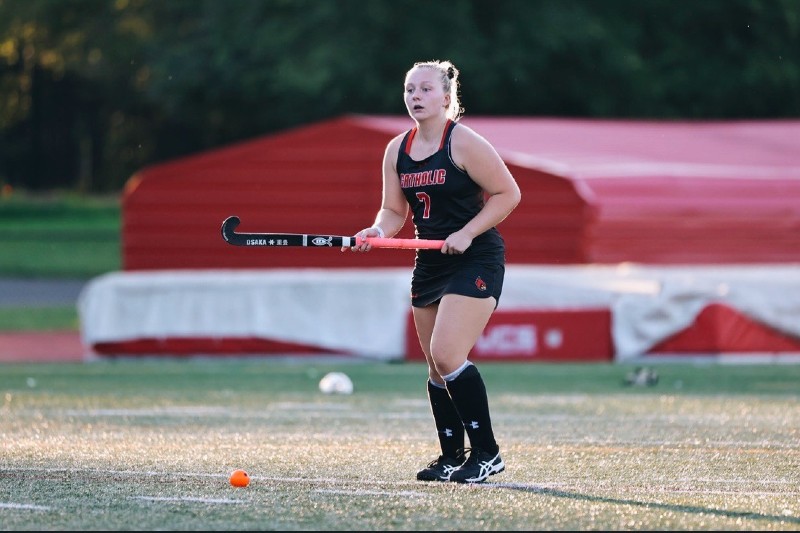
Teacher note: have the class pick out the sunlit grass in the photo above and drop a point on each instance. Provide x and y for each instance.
(149, 444)
(48, 318)
(59, 236)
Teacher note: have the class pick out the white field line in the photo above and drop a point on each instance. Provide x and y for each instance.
(24, 506)
(347, 411)
(185, 499)
(541, 420)
(577, 487)
(542, 486)
(361, 492)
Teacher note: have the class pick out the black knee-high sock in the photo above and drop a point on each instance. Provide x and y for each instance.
(448, 423)
(469, 396)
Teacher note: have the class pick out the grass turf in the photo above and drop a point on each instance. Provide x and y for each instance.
(59, 236)
(47, 318)
(142, 444)
(55, 236)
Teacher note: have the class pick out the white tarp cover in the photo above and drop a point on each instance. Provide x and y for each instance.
(364, 311)
(361, 312)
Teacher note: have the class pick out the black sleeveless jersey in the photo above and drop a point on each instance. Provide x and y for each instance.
(442, 197)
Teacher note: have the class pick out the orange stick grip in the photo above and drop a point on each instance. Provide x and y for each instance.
(407, 244)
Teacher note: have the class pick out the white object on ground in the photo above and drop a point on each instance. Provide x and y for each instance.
(336, 383)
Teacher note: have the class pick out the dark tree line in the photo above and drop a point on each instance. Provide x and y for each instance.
(93, 90)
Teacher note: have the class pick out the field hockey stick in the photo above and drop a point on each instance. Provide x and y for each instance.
(317, 241)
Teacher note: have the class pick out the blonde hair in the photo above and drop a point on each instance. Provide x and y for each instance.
(448, 74)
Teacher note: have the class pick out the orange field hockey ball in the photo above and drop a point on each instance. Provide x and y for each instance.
(239, 478)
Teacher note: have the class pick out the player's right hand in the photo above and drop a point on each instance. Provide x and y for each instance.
(361, 236)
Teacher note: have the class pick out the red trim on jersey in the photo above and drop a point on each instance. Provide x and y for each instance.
(408, 141)
(444, 133)
(407, 148)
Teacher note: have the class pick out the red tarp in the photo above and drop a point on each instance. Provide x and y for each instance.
(594, 191)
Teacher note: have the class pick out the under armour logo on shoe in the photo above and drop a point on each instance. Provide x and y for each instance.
(472, 425)
(447, 432)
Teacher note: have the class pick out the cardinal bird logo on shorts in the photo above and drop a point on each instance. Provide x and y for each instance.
(480, 284)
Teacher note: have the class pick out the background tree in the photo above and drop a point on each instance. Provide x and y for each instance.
(93, 90)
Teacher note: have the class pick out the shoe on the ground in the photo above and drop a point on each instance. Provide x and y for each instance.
(440, 469)
(479, 466)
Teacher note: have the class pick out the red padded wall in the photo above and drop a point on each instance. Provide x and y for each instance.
(592, 192)
(681, 220)
(324, 178)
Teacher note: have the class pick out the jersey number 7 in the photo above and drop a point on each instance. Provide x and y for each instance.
(426, 200)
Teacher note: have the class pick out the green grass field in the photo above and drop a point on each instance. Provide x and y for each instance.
(56, 236)
(59, 236)
(149, 444)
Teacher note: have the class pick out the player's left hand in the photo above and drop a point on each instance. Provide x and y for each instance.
(456, 243)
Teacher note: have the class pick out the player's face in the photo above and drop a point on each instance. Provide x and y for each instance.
(424, 94)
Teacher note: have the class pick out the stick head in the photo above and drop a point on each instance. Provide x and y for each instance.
(228, 225)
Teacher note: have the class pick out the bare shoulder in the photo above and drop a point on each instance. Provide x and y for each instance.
(391, 151)
(393, 146)
(466, 143)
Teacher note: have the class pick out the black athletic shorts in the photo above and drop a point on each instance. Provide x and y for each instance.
(477, 273)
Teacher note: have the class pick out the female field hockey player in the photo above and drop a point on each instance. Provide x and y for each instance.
(458, 189)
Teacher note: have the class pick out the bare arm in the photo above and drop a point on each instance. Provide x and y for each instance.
(394, 209)
(480, 160)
